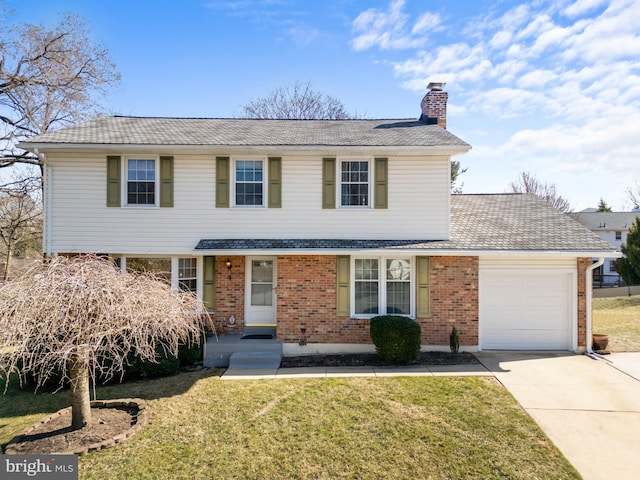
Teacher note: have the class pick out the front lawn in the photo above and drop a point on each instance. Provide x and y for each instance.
(327, 428)
(618, 317)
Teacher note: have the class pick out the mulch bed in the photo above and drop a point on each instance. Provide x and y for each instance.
(112, 423)
(373, 360)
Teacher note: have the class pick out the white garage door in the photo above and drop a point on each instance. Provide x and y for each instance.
(527, 309)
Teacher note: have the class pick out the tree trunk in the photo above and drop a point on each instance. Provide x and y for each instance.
(7, 265)
(80, 399)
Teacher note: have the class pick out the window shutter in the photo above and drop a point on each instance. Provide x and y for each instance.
(275, 182)
(222, 182)
(423, 294)
(343, 294)
(209, 283)
(328, 183)
(113, 181)
(381, 175)
(166, 181)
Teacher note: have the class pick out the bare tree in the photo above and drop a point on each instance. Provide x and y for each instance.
(634, 195)
(297, 102)
(49, 78)
(528, 183)
(81, 315)
(20, 218)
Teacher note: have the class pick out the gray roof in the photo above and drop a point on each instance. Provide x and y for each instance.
(601, 221)
(249, 132)
(491, 223)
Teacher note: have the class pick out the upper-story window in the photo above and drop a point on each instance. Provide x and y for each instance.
(249, 183)
(355, 182)
(141, 181)
(618, 235)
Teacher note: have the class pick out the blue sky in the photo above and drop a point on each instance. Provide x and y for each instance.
(546, 86)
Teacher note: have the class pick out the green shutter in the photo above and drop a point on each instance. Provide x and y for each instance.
(328, 183)
(222, 182)
(381, 175)
(209, 283)
(113, 181)
(343, 294)
(275, 182)
(166, 182)
(423, 293)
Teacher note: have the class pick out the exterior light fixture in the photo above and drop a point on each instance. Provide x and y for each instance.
(228, 263)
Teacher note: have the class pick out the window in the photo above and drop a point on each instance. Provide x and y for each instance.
(386, 293)
(618, 235)
(160, 267)
(141, 182)
(249, 184)
(354, 183)
(187, 274)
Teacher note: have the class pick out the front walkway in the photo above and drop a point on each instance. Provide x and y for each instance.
(590, 409)
(318, 372)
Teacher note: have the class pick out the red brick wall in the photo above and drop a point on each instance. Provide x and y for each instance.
(454, 301)
(583, 263)
(306, 299)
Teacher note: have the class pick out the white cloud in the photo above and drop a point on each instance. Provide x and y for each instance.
(390, 29)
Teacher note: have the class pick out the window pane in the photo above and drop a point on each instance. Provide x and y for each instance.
(398, 298)
(262, 271)
(249, 182)
(398, 269)
(141, 182)
(161, 267)
(261, 294)
(366, 298)
(366, 269)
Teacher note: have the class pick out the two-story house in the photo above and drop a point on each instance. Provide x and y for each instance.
(308, 228)
(612, 227)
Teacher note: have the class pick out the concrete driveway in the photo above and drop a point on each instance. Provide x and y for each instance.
(589, 408)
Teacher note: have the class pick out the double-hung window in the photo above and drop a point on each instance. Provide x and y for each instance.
(141, 181)
(355, 183)
(187, 274)
(383, 286)
(249, 183)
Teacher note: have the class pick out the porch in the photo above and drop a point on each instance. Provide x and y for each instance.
(249, 350)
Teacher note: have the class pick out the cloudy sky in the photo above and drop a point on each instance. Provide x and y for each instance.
(551, 87)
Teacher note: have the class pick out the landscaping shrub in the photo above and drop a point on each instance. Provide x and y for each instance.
(397, 338)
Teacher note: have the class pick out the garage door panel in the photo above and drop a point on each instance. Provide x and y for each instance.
(524, 309)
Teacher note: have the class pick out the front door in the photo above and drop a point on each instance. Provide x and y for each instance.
(260, 301)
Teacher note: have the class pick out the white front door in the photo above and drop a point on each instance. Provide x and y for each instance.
(260, 300)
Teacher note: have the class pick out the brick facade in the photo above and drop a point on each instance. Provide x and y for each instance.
(306, 300)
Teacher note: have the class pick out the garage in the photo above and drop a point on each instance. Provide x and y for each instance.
(526, 307)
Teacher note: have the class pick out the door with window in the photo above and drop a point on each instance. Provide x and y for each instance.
(260, 299)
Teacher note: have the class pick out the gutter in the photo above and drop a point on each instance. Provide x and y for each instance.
(589, 310)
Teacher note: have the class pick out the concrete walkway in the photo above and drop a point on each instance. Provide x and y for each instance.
(589, 408)
(318, 372)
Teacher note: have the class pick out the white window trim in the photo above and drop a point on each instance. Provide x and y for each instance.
(265, 183)
(339, 161)
(125, 180)
(382, 282)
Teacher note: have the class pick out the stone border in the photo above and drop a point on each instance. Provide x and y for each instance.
(141, 419)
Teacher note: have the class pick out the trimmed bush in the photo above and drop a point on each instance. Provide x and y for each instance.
(397, 339)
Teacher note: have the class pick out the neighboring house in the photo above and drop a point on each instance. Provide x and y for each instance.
(312, 227)
(612, 227)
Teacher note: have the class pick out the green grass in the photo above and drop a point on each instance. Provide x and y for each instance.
(618, 317)
(329, 428)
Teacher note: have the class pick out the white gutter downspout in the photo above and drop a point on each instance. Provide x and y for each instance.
(589, 298)
(46, 204)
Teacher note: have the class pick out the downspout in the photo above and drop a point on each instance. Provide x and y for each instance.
(46, 205)
(589, 308)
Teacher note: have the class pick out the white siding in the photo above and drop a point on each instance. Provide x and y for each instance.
(418, 193)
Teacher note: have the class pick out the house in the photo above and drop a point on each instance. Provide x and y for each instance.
(308, 228)
(612, 227)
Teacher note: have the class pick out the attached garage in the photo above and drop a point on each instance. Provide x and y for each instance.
(527, 304)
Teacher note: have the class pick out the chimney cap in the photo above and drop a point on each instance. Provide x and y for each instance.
(437, 86)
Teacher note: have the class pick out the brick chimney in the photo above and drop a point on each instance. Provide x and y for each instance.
(434, 105)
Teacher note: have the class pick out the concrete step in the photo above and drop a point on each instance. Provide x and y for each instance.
(259, 332)
(254, 360)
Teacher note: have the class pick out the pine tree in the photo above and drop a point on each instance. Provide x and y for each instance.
(629, 266)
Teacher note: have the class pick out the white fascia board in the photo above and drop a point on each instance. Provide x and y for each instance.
(326, 150)
(411, 251)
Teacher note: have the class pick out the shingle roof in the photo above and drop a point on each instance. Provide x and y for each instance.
(492, 223)
(608, 220)
(249, 132)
